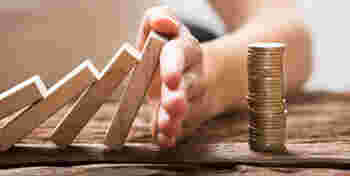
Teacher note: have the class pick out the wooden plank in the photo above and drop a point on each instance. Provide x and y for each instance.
(90, 101)
(168, 170)
(32, 89)
(115, 170)
(59, 94)
(221, 155)
(135, 92)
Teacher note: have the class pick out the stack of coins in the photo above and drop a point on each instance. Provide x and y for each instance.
(266, 97)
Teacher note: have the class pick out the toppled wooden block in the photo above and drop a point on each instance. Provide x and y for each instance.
(57, 96)
(94, 97)
(32, 89)
(93, 88)
(134, 95)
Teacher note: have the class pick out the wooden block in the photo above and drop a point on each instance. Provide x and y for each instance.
(59, 94)
(32, 90)
(135, 92)
(95, 96)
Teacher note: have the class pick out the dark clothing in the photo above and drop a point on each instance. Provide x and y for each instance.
(201, 33)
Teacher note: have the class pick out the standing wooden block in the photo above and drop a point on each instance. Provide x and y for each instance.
(32, 89)
(135, 92)
(93, 98)
(59, 94)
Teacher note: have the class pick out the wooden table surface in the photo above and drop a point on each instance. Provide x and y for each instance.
(318, 144)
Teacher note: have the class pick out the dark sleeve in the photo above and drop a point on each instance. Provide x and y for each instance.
(201, 33)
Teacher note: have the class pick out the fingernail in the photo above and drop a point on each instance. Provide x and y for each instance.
(165, 141)
(172, 141)
(163, 119)
(165, 25)
(171, 19)
(174, 102)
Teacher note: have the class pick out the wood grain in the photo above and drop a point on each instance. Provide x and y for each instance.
(95, 96)
(134, 95)
(169, 170)
(63, 91)
(221, 155)
(318, 128)
(21, 95)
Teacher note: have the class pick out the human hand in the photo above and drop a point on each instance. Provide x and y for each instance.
(178, 91)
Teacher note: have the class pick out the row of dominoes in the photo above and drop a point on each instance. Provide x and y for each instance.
(91, 87)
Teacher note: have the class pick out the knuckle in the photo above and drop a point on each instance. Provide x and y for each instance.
(193, 87)
(194, 46)
(187, 43)
(170, 46)
(193, 54)
(177, 43)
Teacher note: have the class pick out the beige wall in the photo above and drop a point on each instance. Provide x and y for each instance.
(330, 27)
(50, 37)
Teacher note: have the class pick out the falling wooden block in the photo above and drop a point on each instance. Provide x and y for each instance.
(56, 97)
(32, 89)
(95, 96)
(134, 95)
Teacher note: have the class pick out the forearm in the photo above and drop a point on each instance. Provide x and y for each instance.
(235, 13)
(225, 59)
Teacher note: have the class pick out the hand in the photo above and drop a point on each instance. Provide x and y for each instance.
(178, 91)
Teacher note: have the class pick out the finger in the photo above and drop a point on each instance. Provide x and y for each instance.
(165, 141)
(175, 105)
(174, 102)
(168, 129)
(172, 64)
(176, 57)
(196, 116)
(163, 137)
(168, 125)
(160, 19)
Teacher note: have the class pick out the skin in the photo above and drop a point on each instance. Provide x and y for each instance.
(196, 81)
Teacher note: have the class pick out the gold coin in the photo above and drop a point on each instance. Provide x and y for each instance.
(266, 59)
(253, 99)
(273, 135)
(280, 137)
(265, 90)
(274, 73)
(261, 84)
(266, 103)
(264, 53)
(266, 95)
(268, 136)
(257, 107)
(256, 80)
(257, 51)
(267, 126)
(264, 50)
(259, 63)
(262, 79)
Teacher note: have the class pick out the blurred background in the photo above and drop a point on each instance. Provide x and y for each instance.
(51, 37)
